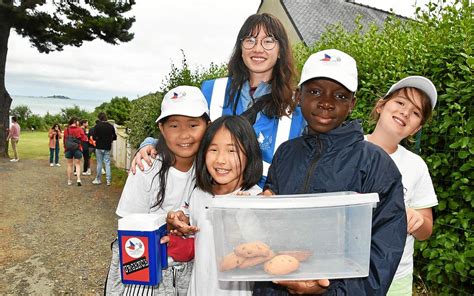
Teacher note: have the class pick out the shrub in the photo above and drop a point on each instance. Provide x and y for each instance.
(143, 113)
(22, 112)
(118, 109)
(75, 111)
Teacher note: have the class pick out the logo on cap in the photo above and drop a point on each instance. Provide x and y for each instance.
(328, 58)
(178, 95)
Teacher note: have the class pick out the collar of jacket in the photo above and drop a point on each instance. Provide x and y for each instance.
(346, 134)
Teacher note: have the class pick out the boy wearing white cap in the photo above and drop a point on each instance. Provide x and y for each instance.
(333, 156)
(166, 186)
(400, 114)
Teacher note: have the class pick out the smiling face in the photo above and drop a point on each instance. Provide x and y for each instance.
(400, 115)
(325, 104)
(225, 162)
(259, 61)
(183, 135)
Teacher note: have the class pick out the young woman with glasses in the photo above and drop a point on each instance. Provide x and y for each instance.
(261, 74)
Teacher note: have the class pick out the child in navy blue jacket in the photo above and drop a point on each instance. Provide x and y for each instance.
(332, 155)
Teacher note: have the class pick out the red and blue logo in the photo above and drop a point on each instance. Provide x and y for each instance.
(327, 58)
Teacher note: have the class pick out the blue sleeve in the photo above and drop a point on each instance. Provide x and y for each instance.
(148, 141)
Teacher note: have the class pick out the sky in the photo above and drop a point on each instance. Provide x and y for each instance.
(204, 29)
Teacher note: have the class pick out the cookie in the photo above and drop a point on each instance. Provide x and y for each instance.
(250, 262)
(300, 255)
(281, 265)
(253, 249)
(230, 261)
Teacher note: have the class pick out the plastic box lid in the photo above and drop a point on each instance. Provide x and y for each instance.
(294, 201)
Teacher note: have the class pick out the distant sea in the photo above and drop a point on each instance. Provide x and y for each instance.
(42, 105)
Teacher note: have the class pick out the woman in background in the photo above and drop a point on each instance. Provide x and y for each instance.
(54, 134)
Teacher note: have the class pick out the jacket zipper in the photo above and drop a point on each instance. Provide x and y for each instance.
(314, 162)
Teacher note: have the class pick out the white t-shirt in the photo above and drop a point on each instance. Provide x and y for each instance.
(419, 193)
(204, 277)
(141, 189)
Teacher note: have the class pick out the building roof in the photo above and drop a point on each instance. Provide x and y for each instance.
(311, 17)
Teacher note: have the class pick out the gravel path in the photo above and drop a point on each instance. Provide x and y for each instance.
(55, 239)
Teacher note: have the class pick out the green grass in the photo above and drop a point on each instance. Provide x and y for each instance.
(32, 145)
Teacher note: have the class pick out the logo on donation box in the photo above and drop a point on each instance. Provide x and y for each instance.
(135, 262)
(134, 247)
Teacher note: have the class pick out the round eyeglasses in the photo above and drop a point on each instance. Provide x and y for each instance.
(268, 43)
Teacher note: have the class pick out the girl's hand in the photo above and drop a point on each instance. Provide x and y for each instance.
(178, 224)
(147, 153)
(414, 220)
(164, 239)
(267, 192)
(305, 287)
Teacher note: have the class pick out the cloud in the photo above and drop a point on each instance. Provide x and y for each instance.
(204, 29)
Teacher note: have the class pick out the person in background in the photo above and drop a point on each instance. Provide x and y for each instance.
(259, 86)
(84, 123)
(104, 135)
(54, 134)
(73, 156)
(400, 114)
(14, 137)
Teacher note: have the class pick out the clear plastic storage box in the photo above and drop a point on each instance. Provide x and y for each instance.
(292, 237)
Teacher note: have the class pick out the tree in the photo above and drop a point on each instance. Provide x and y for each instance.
(68, 23)
(117, 109)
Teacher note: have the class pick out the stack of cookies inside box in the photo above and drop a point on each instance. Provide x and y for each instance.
(260, 255)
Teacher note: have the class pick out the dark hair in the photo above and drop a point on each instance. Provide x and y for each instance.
(244, 138)
(83, 121)
(56, 124)
(283, 74)
(167, 161)
(102, 116)
(408, 92)
(73, 120)
(14, 119)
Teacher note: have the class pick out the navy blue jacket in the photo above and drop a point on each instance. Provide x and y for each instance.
(341, 160)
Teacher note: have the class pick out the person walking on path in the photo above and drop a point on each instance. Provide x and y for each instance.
(85, 148)
(73, 153)
(54, 134)
(104, 135)
(14, 137)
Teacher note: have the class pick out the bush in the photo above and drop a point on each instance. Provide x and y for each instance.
(143, 113)
(68, 113)
(439, 45)
(118, 109)
(36, 122)
(22, 112)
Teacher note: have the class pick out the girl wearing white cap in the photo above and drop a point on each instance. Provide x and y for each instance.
(165, 186)
(401, 113)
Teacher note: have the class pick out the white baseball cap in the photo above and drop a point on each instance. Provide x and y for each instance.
(419, 82)
(333, 64)
(184, 100)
